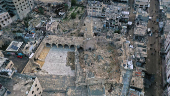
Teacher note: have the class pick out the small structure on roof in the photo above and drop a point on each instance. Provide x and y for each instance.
(14, 46)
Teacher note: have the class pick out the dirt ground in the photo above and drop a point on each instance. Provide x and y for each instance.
(71, 60)
(42, 56)
(19, 63)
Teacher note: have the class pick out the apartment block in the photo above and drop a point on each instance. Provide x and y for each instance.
(17, 9)
(94, 8)
(166, 63)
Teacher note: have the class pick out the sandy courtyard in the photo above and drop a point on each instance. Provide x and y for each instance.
(55, 62)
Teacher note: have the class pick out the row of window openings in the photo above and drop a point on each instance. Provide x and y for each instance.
(4, 24)
(24, 8)
(95, 8)
(37, 90)
(5, 16)
(22, 2)
(3, 21)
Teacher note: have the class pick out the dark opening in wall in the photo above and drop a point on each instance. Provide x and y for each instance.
(80, 49)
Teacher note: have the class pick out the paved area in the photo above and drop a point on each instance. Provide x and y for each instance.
(55, 62)
(19, 63)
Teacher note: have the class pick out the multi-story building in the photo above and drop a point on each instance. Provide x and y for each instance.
(5, 19)
(22, 85)
(94, 8)
(6, 68)
(166, 63)
(17, 9)
(142, 4)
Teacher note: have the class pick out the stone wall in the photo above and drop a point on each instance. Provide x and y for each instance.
(38, 51)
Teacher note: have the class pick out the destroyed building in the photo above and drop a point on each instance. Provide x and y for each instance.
(116, 15)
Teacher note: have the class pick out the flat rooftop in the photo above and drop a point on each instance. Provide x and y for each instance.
(55, 82)
(14, 46)
(63, 40)
(140, 30)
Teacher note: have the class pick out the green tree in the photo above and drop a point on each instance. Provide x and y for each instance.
(73, 2)
(41, 10)
(66, 7)
(73, 15)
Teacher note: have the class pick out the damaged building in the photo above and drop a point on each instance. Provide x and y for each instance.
(17, 9)
(21, 85)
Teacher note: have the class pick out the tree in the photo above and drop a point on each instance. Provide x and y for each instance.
(41, 10)
(66, 7)
(73, 2)
(73, 15)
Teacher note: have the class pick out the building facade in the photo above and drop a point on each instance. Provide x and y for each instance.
(18, 9)
(142, 4)
(3, 90)
(36, 89)
(21, 85)
(5, 19)
(94, 8)
(6, 68)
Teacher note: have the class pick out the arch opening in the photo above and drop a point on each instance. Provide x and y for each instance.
(72, 47)
(66, 46)
(48, 45)
(60, 46)
(54, 45)
(80, 49)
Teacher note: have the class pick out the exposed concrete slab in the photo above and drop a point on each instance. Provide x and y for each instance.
(55, 62)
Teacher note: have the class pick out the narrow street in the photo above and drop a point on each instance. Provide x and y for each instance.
(153, 63)
(132, 19)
